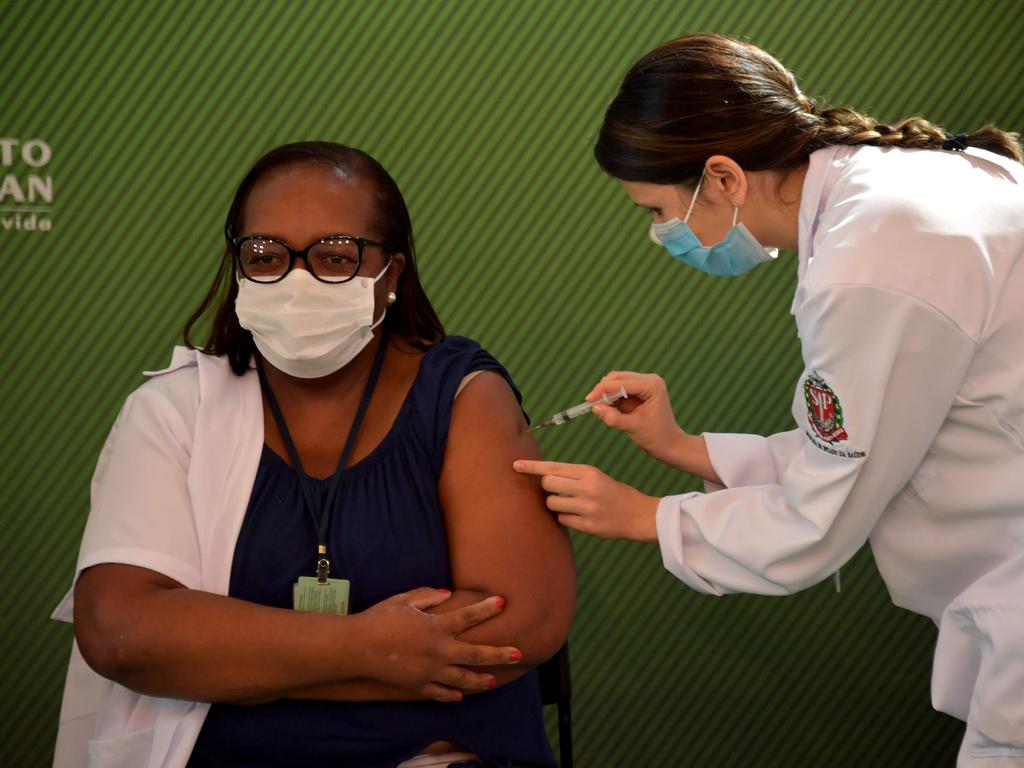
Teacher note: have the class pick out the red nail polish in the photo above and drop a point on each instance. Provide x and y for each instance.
(500, 601)
(515, 656)
(491, 682)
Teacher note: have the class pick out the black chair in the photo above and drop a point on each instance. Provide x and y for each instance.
(556, 688)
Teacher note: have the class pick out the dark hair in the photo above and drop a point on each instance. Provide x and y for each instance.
(412, 317)
(703, 95)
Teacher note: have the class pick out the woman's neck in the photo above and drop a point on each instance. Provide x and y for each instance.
(772, 210)
(791, 192)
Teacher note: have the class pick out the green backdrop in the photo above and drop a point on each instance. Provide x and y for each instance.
(486, 113)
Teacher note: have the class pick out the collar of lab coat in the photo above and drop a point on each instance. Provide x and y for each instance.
(183, 357)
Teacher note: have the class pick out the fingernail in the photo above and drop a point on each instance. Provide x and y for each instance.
(491, 681)
(458, 697)
(500, 601)
(446, 591)
(517, 465)
(515, 656)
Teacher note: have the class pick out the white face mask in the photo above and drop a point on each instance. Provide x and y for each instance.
(305, 327)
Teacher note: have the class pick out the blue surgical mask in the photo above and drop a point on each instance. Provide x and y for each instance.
(739, 252)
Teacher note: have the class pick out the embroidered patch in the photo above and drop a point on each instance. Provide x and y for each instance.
(823, 409)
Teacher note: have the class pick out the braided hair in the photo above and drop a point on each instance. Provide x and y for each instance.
(843, 125)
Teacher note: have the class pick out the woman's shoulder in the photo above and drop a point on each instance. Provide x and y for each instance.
(921, 223)
(456, 357)
(442, 371)
(923, 192)
(457, 354)
(455, 344)
(189, 377)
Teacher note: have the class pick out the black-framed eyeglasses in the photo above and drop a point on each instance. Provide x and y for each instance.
(334, 259)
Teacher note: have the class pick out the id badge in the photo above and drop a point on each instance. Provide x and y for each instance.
(308, 594)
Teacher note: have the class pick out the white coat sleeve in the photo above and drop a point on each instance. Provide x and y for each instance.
(885, 367)
(752, 459)
(140, 509)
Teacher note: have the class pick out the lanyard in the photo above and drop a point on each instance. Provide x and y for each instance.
(323, 565)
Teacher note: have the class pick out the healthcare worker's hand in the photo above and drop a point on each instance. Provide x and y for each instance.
(586, 499)
(646, 416)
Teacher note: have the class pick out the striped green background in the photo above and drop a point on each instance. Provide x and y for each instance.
(485, 112)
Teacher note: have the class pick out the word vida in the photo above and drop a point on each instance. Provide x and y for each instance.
(26, 190)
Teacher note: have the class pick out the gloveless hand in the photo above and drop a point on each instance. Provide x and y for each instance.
(418, 651)
(645, 415)
(586, 499)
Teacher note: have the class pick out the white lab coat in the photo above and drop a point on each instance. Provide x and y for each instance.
(169, 494)
(910, 423)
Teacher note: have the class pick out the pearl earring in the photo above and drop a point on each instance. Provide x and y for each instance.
(392, 298)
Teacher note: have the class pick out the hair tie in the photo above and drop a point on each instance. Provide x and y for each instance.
(955, 141)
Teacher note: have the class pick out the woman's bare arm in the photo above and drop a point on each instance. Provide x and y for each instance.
(151, 634)
(501, 537)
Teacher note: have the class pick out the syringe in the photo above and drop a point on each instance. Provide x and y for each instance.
(585, 407)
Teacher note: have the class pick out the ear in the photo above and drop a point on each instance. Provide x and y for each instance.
(725, 181)
(395, 271)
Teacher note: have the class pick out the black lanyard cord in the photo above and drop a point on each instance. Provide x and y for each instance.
(322, 523)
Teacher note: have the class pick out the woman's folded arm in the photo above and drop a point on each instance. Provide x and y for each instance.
(149, 633)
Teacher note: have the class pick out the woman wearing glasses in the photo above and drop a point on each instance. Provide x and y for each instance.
(278, 517)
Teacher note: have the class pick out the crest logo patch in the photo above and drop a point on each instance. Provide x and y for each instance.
(823, 409)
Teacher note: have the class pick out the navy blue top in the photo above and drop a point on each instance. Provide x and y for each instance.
(386, 536)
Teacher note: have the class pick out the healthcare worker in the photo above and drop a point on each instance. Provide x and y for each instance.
(910, 409)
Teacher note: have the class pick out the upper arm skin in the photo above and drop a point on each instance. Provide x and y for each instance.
(502, 539)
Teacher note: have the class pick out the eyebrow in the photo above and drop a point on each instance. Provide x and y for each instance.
(330, 236)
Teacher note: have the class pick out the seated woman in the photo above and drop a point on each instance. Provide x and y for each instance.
(278, 517)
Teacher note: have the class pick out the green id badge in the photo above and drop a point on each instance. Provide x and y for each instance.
(308, 594)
